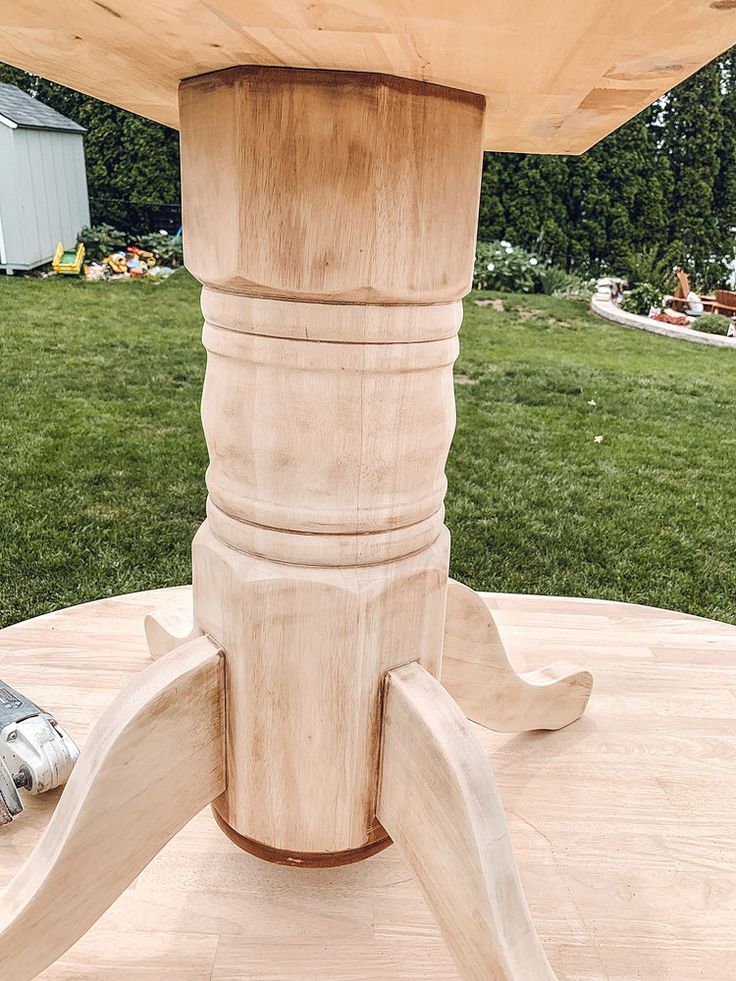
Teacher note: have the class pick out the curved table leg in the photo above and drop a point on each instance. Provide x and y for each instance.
(155, 759)
(438, 801)
(478, 675)
(167, 629)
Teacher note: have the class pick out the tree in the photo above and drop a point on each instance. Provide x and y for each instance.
(491, 214)
(725, 192)
(666, 179)
(693, 128)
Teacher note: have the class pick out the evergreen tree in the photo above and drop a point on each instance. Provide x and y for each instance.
(623, 196)
(693, 135)
(523, 200)
(725, 192)
(535, 204)
(492, 215)
(586, 214)
(665, 179)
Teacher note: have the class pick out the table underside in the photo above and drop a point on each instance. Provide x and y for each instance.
(557, 76)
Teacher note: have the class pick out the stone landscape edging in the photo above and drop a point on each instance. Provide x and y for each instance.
(604, 307)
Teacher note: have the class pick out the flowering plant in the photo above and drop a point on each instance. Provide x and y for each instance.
(507, 267)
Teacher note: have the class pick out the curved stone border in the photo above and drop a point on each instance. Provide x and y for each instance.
(604, 307)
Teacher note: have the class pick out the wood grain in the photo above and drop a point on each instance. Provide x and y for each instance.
(332, 304)
(477, 673)
(557, 76)
(622, 824)
(330, 186)
(168, 629)
(153, 761)
(438, 800)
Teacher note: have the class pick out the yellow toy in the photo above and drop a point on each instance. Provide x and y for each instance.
(116, 261)
(68, 263)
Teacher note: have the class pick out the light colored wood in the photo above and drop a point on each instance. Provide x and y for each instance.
(168, 629)
(345, 185)
(153, 761)
(477, 673)
(622, 824)
(557, 76)
(332, 304)
(438, 801)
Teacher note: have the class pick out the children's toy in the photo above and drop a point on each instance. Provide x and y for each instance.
(147, 258)
(68, 262)
(117, 262)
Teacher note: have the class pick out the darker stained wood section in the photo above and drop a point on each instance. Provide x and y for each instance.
(328, 78)
(302, 860)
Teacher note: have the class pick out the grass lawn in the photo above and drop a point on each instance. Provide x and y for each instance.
(103, 457)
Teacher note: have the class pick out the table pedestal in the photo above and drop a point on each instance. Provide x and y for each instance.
(331, 219)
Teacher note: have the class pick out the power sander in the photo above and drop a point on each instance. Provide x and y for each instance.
(36, 753)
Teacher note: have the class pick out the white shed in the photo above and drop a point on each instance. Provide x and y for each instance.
(43, 183)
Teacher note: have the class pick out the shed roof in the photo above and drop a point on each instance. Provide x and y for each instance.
(18, 109)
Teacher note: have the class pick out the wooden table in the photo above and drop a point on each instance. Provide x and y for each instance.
(622, 824)
(318, 688)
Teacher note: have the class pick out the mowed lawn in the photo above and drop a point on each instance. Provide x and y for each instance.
(101, 485)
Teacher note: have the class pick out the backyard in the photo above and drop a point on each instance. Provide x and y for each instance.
(104, 459)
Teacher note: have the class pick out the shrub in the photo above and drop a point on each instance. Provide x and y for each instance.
(554, 281)
(100, 240)
(502, 266)
(641, 299)
(165, 247)
(712, 323)
(650, 266)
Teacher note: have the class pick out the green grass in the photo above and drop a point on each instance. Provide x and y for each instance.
(102, 476)
(103, 458)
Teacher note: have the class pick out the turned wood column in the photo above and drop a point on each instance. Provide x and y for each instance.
(331, 218)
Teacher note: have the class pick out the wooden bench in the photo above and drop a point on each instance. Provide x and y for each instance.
(725, 303)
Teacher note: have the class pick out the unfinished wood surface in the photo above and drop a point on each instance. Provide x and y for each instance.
(557, 76)
(332, 304)
(438, 800)
(153, 761)
(381, 208)
(622, 824)
(168, 629)
(477, 673)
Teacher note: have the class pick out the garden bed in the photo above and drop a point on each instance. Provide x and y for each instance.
(604, 307)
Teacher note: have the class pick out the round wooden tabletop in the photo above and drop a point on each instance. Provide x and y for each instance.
(623, 823)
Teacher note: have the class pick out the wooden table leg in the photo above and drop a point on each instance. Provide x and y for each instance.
(152, 762)
(477, 673)
(438, 800)
(331, 218)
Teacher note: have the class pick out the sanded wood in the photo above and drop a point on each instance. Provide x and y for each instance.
(557, 75)
(622, 824)
(477, 673)
(333, 187)
(438, 800)
(332, 303)
(168, 629)
(155, 759)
